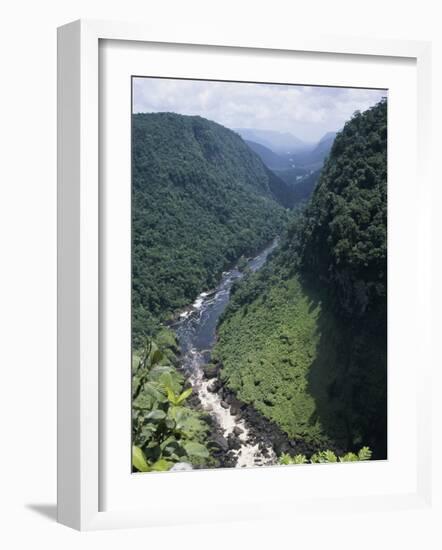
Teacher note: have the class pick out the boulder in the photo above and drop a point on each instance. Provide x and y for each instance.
(210, 371)
(234, 442)
(219, 442)
(214, 386)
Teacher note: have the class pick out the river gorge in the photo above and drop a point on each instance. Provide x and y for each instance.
(240, 444)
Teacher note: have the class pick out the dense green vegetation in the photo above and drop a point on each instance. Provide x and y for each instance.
(164, 430)
(304, 340)
(266, 345)
(201, 199)
(301, 187)
(326, 456)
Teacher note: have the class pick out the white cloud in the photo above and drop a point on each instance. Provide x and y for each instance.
(308, 112)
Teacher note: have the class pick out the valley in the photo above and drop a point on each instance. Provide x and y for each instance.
(258, 295)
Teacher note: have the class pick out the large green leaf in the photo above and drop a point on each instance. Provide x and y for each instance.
(152, 389)
(146, 434)
(139, 460)
(155, 358)
(171, 396)
(161, 465)
(156, 414)
(159, 370)
(143, 401)
(166, 380)
(172, 447)
(183, 396)
(196, 449)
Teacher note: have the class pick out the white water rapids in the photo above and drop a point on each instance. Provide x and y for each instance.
(249, 454)
(196, 332)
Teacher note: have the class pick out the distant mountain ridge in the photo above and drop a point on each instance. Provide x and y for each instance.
(283, 151)
(278, 142)
(299, 169)
(271, 159)
(314, 158)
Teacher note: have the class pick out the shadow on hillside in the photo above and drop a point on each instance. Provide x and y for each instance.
(348, 380)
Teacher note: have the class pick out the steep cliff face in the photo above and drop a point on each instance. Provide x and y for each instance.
(305, 340)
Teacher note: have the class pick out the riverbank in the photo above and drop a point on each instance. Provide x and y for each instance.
(240, 434)
(234, 442)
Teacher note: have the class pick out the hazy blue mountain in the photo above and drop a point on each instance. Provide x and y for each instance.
(278, 142)
(326, 137)
(268, 157)
(313, 159)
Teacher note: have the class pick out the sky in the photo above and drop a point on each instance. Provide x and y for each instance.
(307, 112)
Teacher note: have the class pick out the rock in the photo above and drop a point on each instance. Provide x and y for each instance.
(237, 403)
(210, 371)
(224, 405)
(230, 460)
(214, 386)
(234, 443)
(219, 442)
(280, 446)
(237, 430)
(208, 418)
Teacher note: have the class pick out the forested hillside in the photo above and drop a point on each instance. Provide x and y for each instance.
(201, 199)
(304, 340)
(301, 187)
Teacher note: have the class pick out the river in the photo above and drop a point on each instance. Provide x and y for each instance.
(196, 334)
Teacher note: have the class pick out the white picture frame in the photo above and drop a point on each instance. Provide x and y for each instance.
(80, 394)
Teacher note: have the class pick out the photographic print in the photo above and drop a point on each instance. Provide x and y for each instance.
(259, 274)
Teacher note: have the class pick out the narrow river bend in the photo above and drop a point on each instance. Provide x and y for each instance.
(196, 333)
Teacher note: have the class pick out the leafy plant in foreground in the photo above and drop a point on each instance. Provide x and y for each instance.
(164, 430)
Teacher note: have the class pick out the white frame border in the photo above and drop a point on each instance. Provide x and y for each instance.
(78, 257)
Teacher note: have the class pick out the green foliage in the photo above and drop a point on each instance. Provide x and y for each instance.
(326, 456)
(304, 339)
(139, 460)
(267, 341)
(201, 199)
(164, 430)
(343, 250)
(177, 399)
(365, 453)
(287, 459)
(301, 187)
(344, 235)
